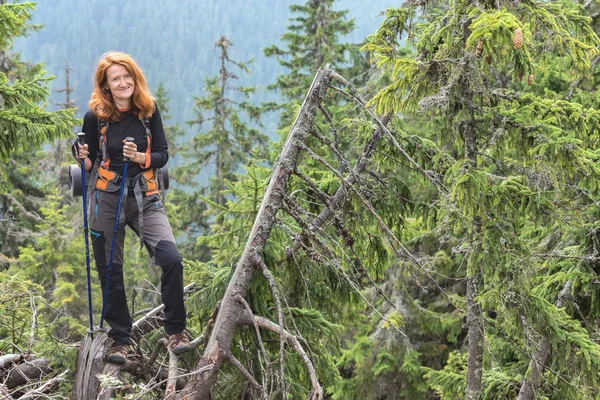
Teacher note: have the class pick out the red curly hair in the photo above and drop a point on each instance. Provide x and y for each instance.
(101, 103)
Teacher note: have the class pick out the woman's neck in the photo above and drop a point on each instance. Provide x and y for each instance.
(122, 106)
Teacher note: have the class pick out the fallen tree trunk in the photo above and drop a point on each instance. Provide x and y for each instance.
(231, 308)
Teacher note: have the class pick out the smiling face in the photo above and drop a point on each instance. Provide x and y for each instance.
(121, 84)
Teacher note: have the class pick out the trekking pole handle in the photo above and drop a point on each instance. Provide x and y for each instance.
(129, 139)
(81, 138)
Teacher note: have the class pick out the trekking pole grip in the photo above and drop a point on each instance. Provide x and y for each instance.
(81, 138)
(129, 139)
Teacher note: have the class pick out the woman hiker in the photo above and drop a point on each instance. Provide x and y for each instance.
(121, 106)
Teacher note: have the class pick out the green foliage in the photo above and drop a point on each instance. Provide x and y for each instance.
(23, 122)
(450, 382)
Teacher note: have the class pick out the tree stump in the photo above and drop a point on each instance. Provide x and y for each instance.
(89, 364)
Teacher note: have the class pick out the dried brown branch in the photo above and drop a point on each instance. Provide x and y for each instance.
(236, 363)
(4, 392)
(47, 387)
(316, 391)
(275, 292)
(160, 344)
(267, 373)
(22, 373)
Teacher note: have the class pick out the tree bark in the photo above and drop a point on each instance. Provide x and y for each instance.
(476, 338)
(474, 315)
(531, 381)
(228, 318)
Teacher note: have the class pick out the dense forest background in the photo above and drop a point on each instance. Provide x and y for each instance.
(383, 207)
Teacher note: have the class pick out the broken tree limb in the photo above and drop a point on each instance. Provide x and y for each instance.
(47, 387)
(137, 325)
(5, 393)
(230, 310)
(274, 290)
(27, 371)
(172, 379)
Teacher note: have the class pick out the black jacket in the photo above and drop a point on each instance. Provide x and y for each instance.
(128, 125)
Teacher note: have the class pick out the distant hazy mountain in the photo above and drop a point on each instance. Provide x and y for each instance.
(172, 40)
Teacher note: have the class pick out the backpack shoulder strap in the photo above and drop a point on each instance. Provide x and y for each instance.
(148, 134)
(102, 146)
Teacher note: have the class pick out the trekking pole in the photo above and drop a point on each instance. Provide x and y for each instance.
(81, 141)
(115, 230)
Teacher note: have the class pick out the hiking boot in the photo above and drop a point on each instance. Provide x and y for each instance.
(118, 354)
(179, 343)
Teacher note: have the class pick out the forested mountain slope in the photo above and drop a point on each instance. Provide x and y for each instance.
(173, 40)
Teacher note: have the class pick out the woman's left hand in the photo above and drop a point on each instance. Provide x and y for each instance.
(130, 151)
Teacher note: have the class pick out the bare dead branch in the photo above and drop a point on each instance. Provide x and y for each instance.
(33, 323)
(316, 391)
(232, 309)
(329, 259)
(274, 290)
(5, 393)
(236, 363)
(160, 344)
(31, 370)
(156, 310)
(49, 386)
(267, 373)
(355, 96)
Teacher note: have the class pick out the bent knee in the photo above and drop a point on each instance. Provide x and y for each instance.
(166, 254)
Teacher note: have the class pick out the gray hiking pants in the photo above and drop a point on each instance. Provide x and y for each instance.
(158, 239)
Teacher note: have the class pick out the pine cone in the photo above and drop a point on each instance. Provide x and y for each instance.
(518, 39)
(479, 50)
(530, 79)
(520, 77)
(488, 59)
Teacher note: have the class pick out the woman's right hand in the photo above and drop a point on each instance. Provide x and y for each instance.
(82, 151)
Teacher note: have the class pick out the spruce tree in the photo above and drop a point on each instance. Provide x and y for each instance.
(25, 126)
(504, 163)
(312, 40)
(230, 140)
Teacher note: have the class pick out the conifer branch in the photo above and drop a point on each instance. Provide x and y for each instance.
(430, 175)
(328, 258)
